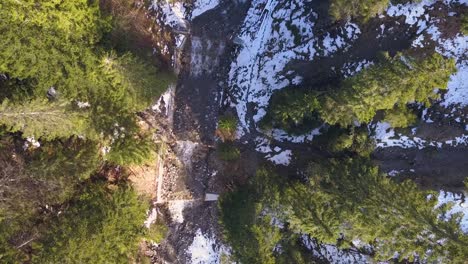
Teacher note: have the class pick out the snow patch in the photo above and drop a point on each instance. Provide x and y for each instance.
(205, 250)
(459, 205)
(152, 216)
(283, 158)
(457, 88)
(385, 136)
(176, 208)
(352, 68)
(283, 136)
(174, 14)
(201, 6)
(272, 35)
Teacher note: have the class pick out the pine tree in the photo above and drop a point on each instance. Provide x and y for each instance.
(392, 82)
(44, 119)
(132, 150)
(363, 9)
(49, 42)
(101, 226)
(349, 199)
(399, 80)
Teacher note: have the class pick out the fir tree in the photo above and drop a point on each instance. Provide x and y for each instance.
(44, 119)
(101, 226)
(363, 9)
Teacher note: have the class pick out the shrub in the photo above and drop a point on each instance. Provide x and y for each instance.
(228, 152)
(157, 231)
(227, 126)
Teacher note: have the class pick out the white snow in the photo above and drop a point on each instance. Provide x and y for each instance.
(456, 47)
(83, 104)
(352, 68)
(283, 158)
(457, 88)
(385, 136)
(174, 13)
(166, 99)
(412, 11)
(201, 6)
(332, 44)
(152, 216)
(31, 142)
(263, 145)
(394, 173)
(283, 136)
(205, 250)
(459, 205)
(176, 208)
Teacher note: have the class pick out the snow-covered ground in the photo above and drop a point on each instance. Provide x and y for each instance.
(386, 136)
(457, 89)
(459, 205)
(176, 209)
(274, 33)
(175, 12)
(205, 250)
(201, 6)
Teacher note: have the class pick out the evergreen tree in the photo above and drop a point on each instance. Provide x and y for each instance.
(349, 200)
(363, 9)
(399, 80)
(101, 226)
(132, 150)
(393, 82)
(44, 119)
(49, 42)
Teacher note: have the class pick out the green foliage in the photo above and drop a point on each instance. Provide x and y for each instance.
(341, 201)
(397, 80)
(47, 176)
(49, 42)
(132, 150)
(227, 151)
(253, 238)
(44, 119)
(290, 107)
(157, 231)
(400, 116)
(392, 82)
(246, 217)
(355, 140)
(464, 24)
(61, 166)
(227, 126)
(363, 9)
(55, 44)
(101, 226)
(350, 199)
(137, 80)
